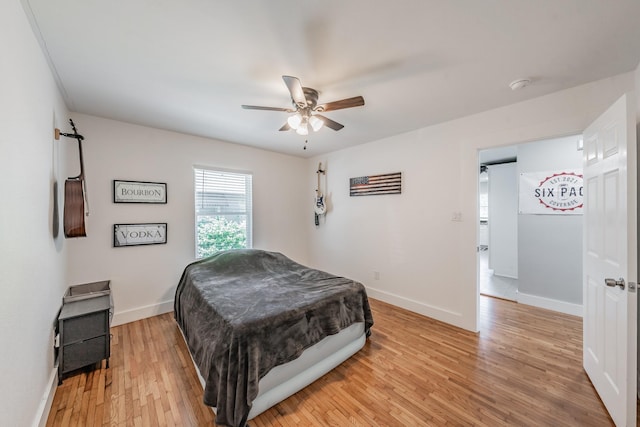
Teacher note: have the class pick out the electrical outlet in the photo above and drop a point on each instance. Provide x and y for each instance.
(456, 216)
(376, 275)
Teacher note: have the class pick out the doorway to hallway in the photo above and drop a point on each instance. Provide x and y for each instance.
(498, 215)
(529, 257)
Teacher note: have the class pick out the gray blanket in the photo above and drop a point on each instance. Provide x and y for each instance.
(246, 311)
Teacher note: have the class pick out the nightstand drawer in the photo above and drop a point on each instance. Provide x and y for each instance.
(85, 353)
(85, 327)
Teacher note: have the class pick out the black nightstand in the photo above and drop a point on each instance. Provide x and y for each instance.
(83, 327)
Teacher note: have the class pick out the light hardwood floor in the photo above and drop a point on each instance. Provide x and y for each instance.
(523, 369)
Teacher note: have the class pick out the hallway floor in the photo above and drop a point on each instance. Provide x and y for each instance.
(496, 286)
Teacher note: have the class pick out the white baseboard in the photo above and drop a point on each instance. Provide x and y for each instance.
(122, 317)
(42, 413)
(550, 304)
(508, 276)
(447, 316)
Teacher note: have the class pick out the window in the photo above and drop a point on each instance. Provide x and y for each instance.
(223, 211)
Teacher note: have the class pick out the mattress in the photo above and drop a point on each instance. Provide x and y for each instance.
(316, 361)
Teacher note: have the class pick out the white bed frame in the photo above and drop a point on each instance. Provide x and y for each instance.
(291, 377)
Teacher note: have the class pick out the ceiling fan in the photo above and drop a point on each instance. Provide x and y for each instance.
(306, 108)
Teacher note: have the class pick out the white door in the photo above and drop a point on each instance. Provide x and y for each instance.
(609, 252)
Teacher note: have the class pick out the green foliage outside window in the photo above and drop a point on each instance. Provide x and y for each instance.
(219, 233)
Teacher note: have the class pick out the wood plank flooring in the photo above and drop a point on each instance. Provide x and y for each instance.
(524, 368)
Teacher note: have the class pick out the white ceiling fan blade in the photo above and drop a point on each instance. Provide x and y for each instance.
(330, 123)
(295, 88)
(256, 107)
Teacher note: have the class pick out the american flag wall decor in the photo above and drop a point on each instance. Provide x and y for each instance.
(390, 183)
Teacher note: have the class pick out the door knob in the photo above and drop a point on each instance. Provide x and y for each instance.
(613, 282)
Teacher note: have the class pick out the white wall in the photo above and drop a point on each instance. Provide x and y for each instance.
(550, 246)
(503, 220)
(427, 262)
(637, 78)
(143, 278)
(31, 252)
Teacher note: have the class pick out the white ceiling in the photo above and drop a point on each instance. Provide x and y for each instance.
(188, 65)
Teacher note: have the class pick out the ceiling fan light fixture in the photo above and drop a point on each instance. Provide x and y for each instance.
(302, 129)
(316, 123)
(294, 121)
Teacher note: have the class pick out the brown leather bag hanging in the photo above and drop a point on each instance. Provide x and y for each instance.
(74, 194)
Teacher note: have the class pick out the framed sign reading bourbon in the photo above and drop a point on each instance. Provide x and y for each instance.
(139, 192)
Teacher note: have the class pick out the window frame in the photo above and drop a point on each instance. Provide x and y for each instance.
(248, 198)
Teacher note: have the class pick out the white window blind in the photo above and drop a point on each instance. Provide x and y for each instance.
(223, 210)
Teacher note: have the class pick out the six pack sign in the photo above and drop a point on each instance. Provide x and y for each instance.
(552, 193)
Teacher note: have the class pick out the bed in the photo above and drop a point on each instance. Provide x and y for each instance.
(260, 327)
